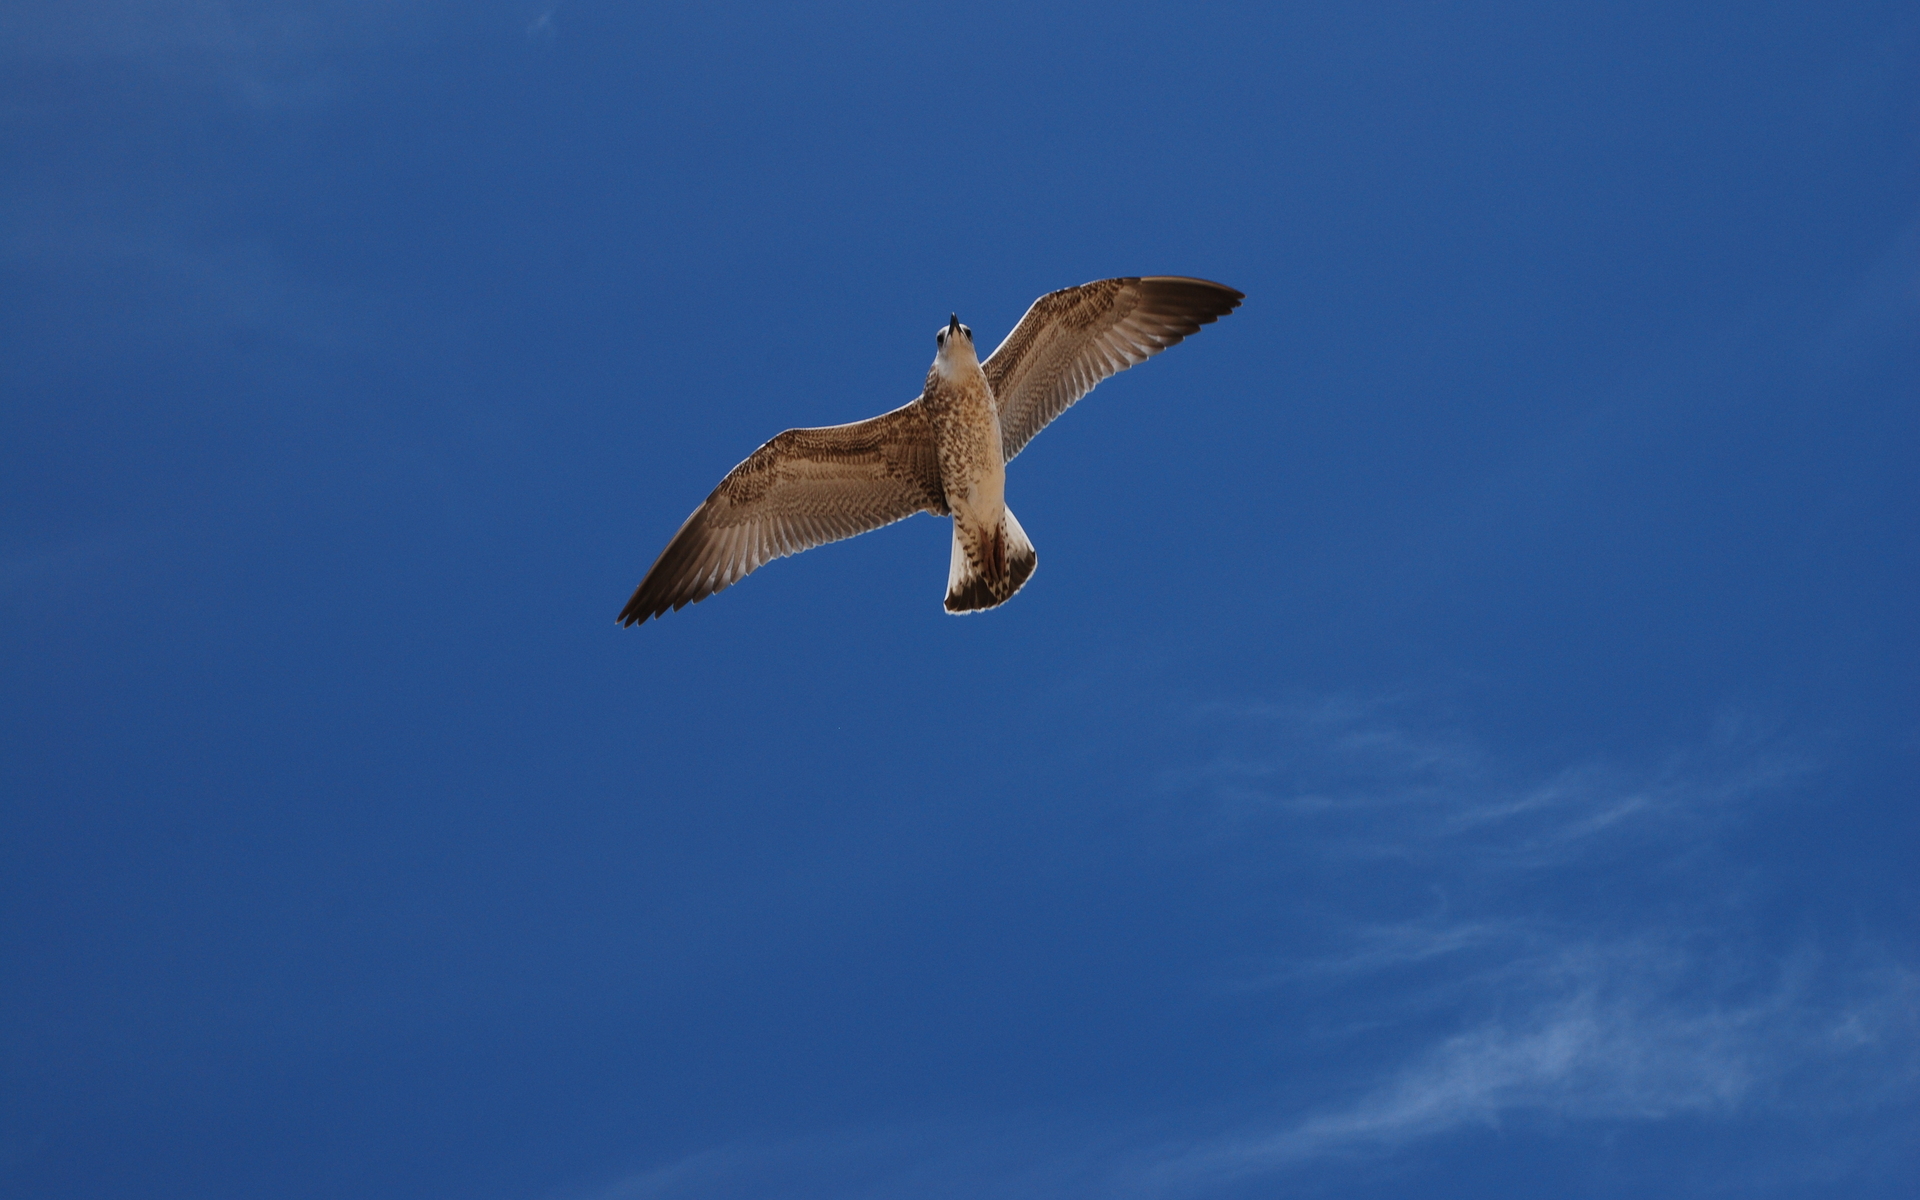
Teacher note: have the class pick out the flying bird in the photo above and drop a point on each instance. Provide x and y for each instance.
(946, 452)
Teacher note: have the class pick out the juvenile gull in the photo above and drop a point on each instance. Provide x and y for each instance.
(945, 453)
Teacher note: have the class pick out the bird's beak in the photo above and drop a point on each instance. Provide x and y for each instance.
(953, 323)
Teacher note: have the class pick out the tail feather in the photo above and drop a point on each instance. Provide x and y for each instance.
(986, 569)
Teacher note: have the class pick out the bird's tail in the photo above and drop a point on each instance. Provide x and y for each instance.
(988, 566)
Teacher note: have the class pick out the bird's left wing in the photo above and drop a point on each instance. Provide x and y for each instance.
(1073, 338)
(803, 489)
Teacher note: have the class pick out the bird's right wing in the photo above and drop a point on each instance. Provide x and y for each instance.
(803, 489)
(1073, 338)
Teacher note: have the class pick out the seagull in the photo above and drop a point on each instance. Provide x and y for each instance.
(946, 452)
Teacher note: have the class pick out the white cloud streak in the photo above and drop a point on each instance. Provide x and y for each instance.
(1344, 775)
(1497, 1011)
(1626, 1033)
(1596, 1036)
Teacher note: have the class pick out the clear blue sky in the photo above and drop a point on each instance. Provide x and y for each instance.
(1462, 739)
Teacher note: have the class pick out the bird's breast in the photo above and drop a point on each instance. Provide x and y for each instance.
(967, 433)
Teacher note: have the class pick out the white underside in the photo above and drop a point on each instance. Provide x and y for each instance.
(960, 569)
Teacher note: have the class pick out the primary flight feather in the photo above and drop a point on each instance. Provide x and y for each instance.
(945, 452)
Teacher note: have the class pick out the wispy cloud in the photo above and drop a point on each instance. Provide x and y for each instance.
(1590, 1036)
(1356, 782)
(1576, 933)
(1638, 1032)
(1490, 1003)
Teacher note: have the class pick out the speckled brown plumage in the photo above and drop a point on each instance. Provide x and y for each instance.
(1071, 339)
(805, 488)
(943, 453)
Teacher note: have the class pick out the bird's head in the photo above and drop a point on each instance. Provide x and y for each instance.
(956, 343)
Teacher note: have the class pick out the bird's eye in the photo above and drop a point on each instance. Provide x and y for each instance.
(967, 331)
(940, 338)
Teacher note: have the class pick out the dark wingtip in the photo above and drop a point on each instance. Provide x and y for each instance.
(1204, 300)
(638, 610)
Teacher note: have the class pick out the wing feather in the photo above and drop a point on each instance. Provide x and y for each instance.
(1071, 339)
(803, 489)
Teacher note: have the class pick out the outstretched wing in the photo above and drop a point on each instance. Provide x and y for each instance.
(803, 489)
(1073, 338)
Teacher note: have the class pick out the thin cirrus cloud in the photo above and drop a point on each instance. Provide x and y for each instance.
(1339, 776)
(1658, 1004)
(1506, 1008)
(1601, 1034)
(1614, 1036)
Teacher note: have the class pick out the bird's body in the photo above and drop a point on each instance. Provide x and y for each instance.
(966, 435)
(990, 559)
(945, 452)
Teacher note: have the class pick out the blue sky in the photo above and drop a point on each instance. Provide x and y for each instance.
(1471, 752)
